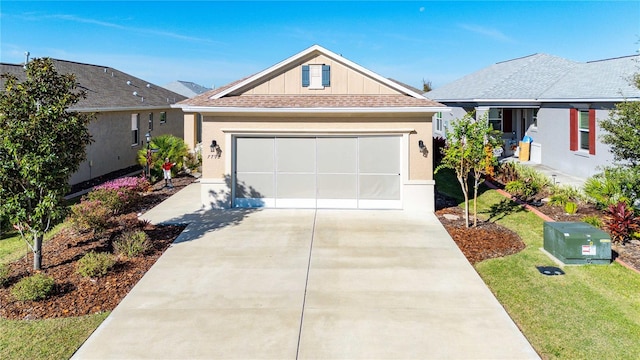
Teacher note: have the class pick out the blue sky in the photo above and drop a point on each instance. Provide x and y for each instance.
(214, 42)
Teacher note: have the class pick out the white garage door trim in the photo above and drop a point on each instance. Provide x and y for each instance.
(301, 171)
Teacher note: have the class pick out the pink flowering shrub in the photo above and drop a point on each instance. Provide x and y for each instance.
(119, 194)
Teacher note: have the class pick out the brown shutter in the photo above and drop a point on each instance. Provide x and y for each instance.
(573, 129)
(592, 131)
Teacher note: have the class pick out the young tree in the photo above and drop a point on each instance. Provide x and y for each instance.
(482, 140)
(623, 130)
(466, 153)
(456, 155)
(41, 144)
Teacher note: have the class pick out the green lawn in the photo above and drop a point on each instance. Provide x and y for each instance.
(40, 339)
(592, 312)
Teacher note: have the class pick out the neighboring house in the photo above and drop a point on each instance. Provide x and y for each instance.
(557, 102)
(125, 109)
(314, 131)
(186, 88)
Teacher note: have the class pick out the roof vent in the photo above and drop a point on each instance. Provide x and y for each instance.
(135, 93)
(105, 70)
(149, 85)
(128, 82)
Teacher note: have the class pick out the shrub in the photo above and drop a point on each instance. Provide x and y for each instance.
(593, 221)
(4, 274)
(132, 243)
(621, 222)
(614, 184)
(35, 287)
(89, 215)
(571, 208)
(95, 264)
(165, 146)
(506, 172)
(522, 189)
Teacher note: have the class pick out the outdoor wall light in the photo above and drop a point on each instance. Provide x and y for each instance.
(421, 145)
(214, 145)
(215, 149)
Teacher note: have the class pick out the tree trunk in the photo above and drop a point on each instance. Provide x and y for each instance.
(37, 252)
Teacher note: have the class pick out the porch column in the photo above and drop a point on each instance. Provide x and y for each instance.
(190, 126)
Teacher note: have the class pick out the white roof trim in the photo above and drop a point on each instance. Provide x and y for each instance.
(250, 131)
(328, 53)
(537, 101)
(336, 110)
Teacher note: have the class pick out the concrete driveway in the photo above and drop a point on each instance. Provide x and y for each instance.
(307, 284)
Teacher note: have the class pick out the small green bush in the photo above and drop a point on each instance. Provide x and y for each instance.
(132, 243)
(35, 287)
(89, 215)
(613, 185)
(571, 208)
(4, 274)
(109, 198)
(593, 221)
(559, 199)
(95, 264)
(521, 189)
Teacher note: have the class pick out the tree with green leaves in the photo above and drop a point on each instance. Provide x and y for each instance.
(481, 140)
(42, 143)
(623, 130)
(466, 154)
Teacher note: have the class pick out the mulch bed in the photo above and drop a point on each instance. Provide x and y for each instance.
(75, 295)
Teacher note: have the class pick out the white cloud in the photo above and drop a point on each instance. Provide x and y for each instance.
(487, 32)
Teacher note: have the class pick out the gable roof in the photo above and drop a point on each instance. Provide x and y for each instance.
(186, 88)
(229, 96)
(542, 77)
(107, 89)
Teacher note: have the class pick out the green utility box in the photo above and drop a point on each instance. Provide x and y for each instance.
(577, 243)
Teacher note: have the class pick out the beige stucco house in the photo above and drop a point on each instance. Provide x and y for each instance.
(314, 131)
(125, 108)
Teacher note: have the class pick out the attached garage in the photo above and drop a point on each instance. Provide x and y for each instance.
(314, 131)
(358, 172)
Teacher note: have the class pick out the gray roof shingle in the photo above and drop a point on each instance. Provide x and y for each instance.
(107, 88)
(542, 76)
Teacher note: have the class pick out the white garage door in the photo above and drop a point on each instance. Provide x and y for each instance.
(318, 172)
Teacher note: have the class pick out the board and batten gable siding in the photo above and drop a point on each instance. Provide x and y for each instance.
(344, 80)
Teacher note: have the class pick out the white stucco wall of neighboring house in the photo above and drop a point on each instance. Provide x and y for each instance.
(552, 133)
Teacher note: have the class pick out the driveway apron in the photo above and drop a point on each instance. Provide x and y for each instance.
(307, 284)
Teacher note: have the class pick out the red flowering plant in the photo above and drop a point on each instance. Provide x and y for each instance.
(621, 222)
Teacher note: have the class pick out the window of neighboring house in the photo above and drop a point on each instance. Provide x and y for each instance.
(495, 118)
(437, 120)
(316, 76)
(534, 118)
(582, 134)
(135, 132)
(150, 121)
(163, 117)
(583, 129)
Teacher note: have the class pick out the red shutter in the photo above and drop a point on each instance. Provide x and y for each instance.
(592, 131)
(573, 129)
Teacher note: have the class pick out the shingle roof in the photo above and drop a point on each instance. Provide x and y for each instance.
(313, 101)
(186, 88)
(107, 88)
(542, 76)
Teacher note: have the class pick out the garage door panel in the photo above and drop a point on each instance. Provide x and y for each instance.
(255, 155)
(337, 186)
(337, 155)
(254, 186)
(379, 155)
(379, 187)
(291, 186)
(296, 155)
